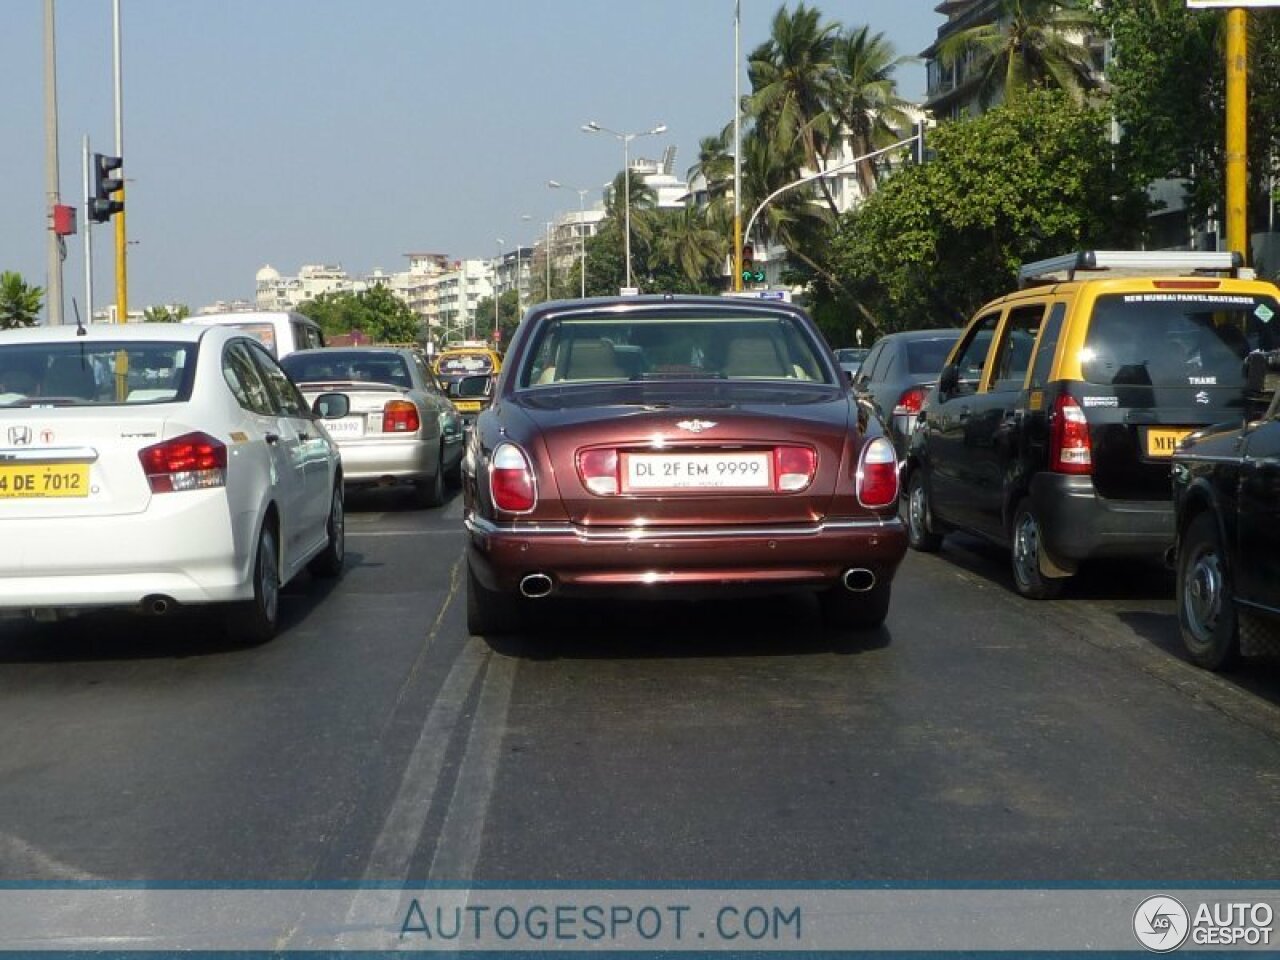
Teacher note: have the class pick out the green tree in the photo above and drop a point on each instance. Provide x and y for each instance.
(1167, 93)
(1033, 178)
(715, 166)
(862, 96)
(165, 314)
(376, 312)
(508, 318)
(790, 77)
(689, 243)
(1028, 44)
(20, 302)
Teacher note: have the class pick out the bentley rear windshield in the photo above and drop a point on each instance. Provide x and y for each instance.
(622, 349)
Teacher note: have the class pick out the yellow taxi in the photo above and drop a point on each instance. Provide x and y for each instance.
(469, 359)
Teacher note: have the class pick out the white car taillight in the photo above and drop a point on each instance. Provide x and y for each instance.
(1070, 448)
(599, 471)
(793, 468)
(877, 479)
(193, 461)
(511, 481)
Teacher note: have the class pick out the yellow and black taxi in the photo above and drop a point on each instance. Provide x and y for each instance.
(1226, 490)
(453, 364)
(1055, 417)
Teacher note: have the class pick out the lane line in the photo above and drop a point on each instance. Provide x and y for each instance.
(402, 828)
(458, 847)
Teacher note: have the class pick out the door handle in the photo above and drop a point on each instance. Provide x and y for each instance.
(272, 438)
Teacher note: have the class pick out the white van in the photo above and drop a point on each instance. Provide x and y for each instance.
(280, 332)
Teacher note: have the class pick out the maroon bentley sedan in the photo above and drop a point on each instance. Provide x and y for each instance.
(666, 445)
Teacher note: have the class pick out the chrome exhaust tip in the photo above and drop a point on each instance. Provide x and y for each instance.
(535, 585)
(858, 580)
(158, 606)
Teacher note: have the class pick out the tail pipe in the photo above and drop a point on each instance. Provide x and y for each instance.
(858, 579)
(535, 585)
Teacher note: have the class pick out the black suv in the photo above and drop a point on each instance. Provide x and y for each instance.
(1053, 423)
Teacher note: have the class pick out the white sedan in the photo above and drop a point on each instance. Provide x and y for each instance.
(159, 465)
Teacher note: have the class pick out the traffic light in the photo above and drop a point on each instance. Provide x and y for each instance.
(749, 272)
(106, 181)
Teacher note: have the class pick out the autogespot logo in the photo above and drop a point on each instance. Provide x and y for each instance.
(1161, 923)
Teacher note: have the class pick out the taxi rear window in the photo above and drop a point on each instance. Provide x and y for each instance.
(1169, 339)
(466, 363)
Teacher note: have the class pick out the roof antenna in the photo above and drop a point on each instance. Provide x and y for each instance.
(80, 330)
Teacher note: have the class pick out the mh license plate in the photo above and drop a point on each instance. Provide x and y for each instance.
(697, 471)
(1162, 443)
(44, 480)
(348, 427)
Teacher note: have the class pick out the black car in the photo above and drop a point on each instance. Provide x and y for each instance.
(898, 373)
(1052, 426)
(1226, 488)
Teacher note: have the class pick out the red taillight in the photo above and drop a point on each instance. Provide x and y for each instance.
(193, 461)
(793, 468)
(511, 480)
(877, 479)
(599, 471)
(1070, 450)
(400, 416)
(911, 401)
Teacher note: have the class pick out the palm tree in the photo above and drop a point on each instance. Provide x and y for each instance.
(790, 74)
(1028, 44)
(19, 302)
(715, 166)
(863, 96)
(689, 242)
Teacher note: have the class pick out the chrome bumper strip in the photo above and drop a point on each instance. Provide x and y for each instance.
(485, 527)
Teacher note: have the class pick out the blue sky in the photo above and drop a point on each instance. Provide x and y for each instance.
(334, 131)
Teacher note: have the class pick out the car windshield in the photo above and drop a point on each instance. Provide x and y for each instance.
(928, 356)
(607, 349)
(1176, 339)
(465, 364)
(347, 366)
(852, 355)
(95, 374)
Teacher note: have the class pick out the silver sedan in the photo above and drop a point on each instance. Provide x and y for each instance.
(401, 428)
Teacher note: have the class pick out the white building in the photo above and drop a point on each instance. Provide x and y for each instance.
(453, 296)
(276, 292)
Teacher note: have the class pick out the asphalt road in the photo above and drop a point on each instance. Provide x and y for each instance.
(977, 737)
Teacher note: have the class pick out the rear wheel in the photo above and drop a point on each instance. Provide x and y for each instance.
(490, 613)
(430, 493)
(1206, 608)
(256, 621)
(1028, 545)
(843, 608)
(328, 563)
(920, 533)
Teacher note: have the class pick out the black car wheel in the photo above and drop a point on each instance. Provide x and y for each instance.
(920, 534)
(328, 562)
(256, 621)
(1206, 606)
(1027, 546)
(430, 493)
(489, 613)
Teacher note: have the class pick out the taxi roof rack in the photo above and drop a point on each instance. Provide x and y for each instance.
(1127, 263)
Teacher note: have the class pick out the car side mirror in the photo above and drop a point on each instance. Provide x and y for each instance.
(1260, 381)
(949, 379)
(331, 406)
(471, 388)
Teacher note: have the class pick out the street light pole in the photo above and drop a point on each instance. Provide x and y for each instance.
(737, 147)
(548, 257)
(582, 229)
(626, 139)
(823, 173)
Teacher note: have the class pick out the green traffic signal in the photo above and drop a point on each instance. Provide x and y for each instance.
(753, 276)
